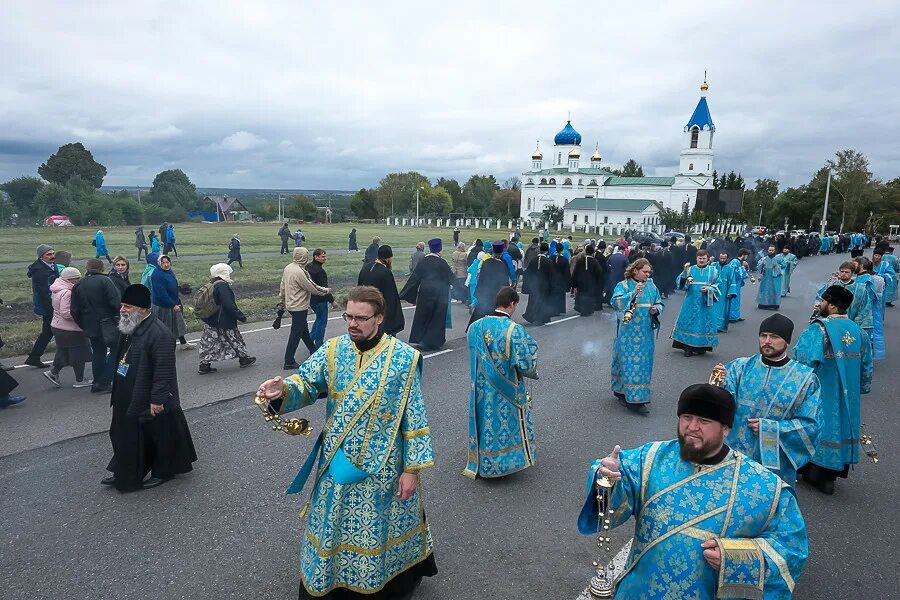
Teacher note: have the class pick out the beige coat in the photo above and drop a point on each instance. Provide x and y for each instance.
(296, 284)
(460, 268)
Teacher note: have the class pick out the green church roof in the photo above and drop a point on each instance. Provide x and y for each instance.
(668, 181)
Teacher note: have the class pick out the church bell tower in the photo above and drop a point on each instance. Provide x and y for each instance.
(697, 149)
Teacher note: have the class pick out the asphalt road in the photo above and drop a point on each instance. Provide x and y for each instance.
(228, 531)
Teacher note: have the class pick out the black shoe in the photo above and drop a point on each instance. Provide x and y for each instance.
(36, 362)
(154, 482)
(291, 366)
(640, 409)
(688, 353)
(111, 480)
(6, 368)
(101, 389)
(205, 369)
(11, 401)
(246, 362)
(825, 486)
(891, 304)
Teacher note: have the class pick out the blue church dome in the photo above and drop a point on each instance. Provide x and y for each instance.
(568, 136)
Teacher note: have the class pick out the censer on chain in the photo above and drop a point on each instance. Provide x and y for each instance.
(868, 444)
(601, 585)
(717, 376)
(289, 426)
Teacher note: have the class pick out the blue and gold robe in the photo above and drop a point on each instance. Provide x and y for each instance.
(501, 431)
(839, 351)
(696, 326)
(862, 310)
(786, 401)
(632, 359)
(728, 284)
(677, 505)
(740, 276)
(789, 263)
(359, 534)
(771, 271)
(887, 271)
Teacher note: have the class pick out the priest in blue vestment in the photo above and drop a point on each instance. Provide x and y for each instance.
(771, 270)
(365, 530)
(790, 262)
(710, 522)
(839, 351)
(777, 403)
(632, 359)
(695, 330)
(888, 272)
(728, 285)
(501, 354)
(741, 274)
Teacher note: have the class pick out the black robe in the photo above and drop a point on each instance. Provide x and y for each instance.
(143, 444)
(429, 289)
(379, 276)
(539, 273)
(561, 284)
(493, 274)
(587, 279)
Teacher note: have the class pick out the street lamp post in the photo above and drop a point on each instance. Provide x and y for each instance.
(421, 187)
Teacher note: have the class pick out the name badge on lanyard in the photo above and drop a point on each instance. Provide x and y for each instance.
(122, 369)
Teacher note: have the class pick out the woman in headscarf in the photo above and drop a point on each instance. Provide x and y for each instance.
(460, 267)
(72, 349)
(565, 251)
(234, 251)
(221, 338)
(118, 274)
(100, 244)
(154, 242)
(166, 303)
(472, 279)
(147, 275)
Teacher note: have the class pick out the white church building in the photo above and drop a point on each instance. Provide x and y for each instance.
(593, 196)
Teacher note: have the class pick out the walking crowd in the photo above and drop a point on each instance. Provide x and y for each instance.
(715, 508)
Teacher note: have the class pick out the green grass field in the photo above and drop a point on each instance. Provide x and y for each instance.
(256, 285)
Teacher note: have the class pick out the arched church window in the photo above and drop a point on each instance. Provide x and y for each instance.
(568, 181)
(593, 182)
(695, 136)
(585, 218)
(530, 181)
(552, 181)
(543, 181)
(691, 167)
(579, 181)
(559, 158)
(574, 218)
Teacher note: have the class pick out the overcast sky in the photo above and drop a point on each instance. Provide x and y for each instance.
(334, 95)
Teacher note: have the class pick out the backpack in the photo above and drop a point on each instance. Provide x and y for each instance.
(205, 305)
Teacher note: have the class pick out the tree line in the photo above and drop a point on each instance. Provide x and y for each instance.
(857, 201)
(69, 184)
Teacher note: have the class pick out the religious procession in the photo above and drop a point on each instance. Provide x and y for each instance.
(716, 511)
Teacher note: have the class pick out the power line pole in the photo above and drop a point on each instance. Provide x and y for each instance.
(825, 208)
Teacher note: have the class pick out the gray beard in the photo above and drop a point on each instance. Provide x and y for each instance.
(128, 322)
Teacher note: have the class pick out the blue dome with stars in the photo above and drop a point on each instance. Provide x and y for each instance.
(568, 136)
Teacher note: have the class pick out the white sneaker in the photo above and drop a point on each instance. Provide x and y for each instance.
(54, 379)
(188, 346)
(83, 383)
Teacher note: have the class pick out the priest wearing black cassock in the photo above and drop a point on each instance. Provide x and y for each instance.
(493, 274)
(378, 275)
(561, 281)
(587, 279)
(428, 287)
(539, 275)
(149, 433)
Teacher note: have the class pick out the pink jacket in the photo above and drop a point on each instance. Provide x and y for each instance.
(62, 305)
